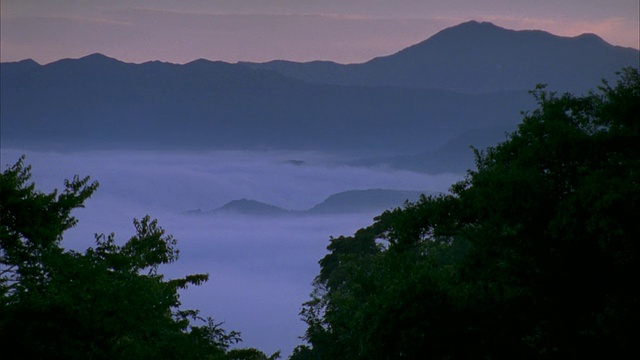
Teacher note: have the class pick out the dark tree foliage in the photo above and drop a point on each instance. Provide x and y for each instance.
(109, 302)
(251, 354)
(533, 255)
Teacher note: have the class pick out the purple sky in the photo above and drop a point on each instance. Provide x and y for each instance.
(261, 30)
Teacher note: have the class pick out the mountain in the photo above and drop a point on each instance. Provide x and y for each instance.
(352, 201)
(365, 200)
(454, 156)
(478, 57)
(251, 207)
(427, 102)
(98, 102)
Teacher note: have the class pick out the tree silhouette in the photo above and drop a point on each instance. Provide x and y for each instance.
(533, 255)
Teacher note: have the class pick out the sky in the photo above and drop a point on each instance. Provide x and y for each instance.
(350, 31)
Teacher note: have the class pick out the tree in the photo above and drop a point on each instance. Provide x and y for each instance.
(251, 354)
(109, 302)
(533, 255)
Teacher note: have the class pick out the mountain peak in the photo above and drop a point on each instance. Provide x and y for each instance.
(18, 67)
(463, 35)
(28, 62)
(251, 207)
(470, 29)
(98, 57)
(200, 61)
(473, 25)
(591, 38)
(476, 24)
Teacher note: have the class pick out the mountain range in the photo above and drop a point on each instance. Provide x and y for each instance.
(417, 109)
(352, 201)
(478, 57)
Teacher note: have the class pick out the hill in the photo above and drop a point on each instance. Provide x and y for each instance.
(251, 207)
(364, 200)
(99, 102)
(352, 201)
(478, 57)
(428, 102)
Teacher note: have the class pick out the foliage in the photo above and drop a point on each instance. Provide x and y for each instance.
(109, 302)
(251, 354)
(533, 255)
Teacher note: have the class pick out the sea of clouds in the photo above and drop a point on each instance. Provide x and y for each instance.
(260, 268)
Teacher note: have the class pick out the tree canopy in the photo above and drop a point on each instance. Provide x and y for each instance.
(532, 255)
(109, 302)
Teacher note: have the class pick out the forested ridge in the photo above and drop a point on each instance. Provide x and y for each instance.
(110, 302)
(531, 256)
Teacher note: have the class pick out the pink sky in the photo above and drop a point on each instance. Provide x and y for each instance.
(300, 30)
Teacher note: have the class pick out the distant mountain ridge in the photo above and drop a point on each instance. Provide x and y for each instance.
(461, 83)
(366, 200)
(478, 57)
(98, 102)
(454, 156)
(251, 207)
(352, 201)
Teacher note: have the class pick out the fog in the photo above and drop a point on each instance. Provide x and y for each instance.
(260, 268)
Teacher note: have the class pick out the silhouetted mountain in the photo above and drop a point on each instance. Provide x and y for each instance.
(352, 201)
(12, 69)
(476, 57)
(365, 200)
(251, 207)
(455, 156)
(390, 105)
(100, 102)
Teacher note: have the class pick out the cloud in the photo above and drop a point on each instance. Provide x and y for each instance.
(260, 268)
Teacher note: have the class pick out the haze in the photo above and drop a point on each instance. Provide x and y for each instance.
(261, 268)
